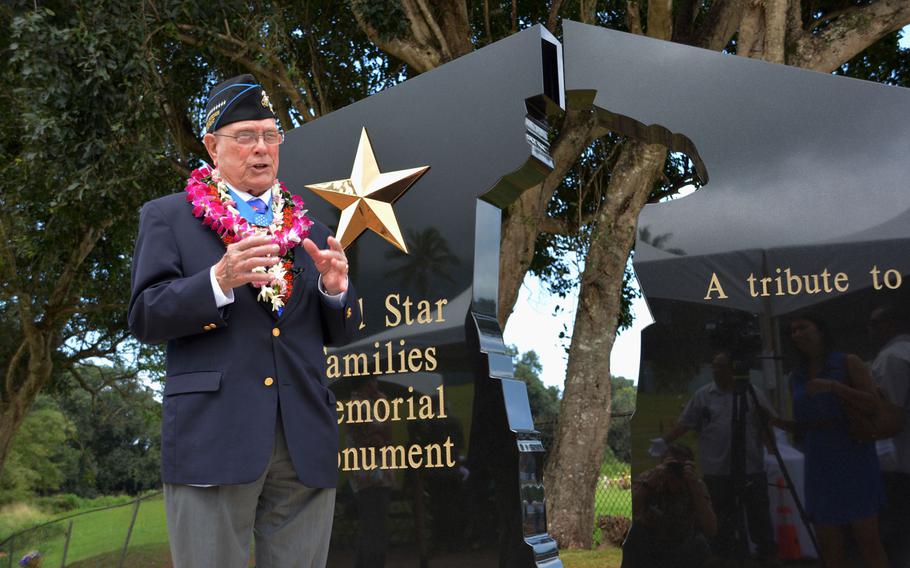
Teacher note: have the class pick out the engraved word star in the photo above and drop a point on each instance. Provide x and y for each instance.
(366, 198)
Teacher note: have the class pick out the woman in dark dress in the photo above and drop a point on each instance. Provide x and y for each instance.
(842, 478)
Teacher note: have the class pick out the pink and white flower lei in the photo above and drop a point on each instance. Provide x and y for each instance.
(208, 194)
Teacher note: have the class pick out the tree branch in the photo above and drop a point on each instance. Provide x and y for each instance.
(828, 17)
(794, 21)
(77, 256)
(553, 16)
(720, 24)
(633, 17)
(7, 258)
(486, 21)
(324, 106)
(89, 308)
(82, 383)
(434, 27)
(181, 169)
(852, 32)
(420, 31)
(555, 226)
(775, 30)
(514, 16)
(419, 57)
(279, 77)
(684, 20)
(11, 367)
(660, 19)
(587, 11)
(32, 336)
(673, 189)
(750, 30)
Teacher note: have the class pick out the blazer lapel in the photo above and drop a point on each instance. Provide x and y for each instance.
(302, 269)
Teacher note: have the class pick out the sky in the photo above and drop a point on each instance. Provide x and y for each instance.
(533, 325)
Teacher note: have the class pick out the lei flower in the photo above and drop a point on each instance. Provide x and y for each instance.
(208, 194)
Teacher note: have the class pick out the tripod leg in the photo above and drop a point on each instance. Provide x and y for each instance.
(766, 428)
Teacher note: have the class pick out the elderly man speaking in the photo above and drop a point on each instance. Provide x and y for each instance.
(246, 290)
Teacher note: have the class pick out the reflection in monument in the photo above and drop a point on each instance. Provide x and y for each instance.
(427, 266)
(783, 275)
(371, 485)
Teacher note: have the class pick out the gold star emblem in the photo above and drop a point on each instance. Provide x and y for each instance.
(366, 198)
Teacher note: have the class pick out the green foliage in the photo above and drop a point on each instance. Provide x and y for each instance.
(22, 515)
(101, 437)
(388, 18)
(544, 400)
(622, 406)
(100, 112)
(884, 62)
(116, 440)
(68, 502)
(81, 147)
(559, 257)
(37, 459)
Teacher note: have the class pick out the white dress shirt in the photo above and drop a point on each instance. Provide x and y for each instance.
(891, 369)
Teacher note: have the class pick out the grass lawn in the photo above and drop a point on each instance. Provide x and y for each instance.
(604, 557)
(158, 556)
(97, 538)
(100, 533)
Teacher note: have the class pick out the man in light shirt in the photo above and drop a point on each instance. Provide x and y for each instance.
(246, 306)
(888, 330)
(710, 414)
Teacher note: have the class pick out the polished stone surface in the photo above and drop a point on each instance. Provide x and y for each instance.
(804, 217)
(425, 392)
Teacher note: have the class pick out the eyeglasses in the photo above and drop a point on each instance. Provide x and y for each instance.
(270, 137)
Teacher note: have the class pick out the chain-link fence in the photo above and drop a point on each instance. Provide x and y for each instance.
(131, 534)
(613, 494)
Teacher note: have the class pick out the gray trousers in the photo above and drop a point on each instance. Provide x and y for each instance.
(211, 526)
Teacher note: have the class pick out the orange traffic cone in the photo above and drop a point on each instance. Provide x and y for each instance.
(787, 541)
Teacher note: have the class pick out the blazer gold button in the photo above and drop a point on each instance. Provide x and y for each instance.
(268, 381)
(276, 332)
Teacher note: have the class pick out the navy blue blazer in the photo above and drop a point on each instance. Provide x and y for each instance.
(229, 369)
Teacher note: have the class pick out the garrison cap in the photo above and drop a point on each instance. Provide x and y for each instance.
(238, 98)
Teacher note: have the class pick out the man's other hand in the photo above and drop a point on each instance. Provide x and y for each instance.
(331, 263)
(236, 266)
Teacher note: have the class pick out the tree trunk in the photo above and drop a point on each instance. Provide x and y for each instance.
(584, 417)
(521, 221)
(11, 417)
(18, 401)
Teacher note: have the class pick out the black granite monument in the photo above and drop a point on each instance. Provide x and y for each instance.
(440, 464)
(804, 217)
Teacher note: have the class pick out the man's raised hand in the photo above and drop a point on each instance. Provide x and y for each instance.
(331, 263)
(236, 266)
